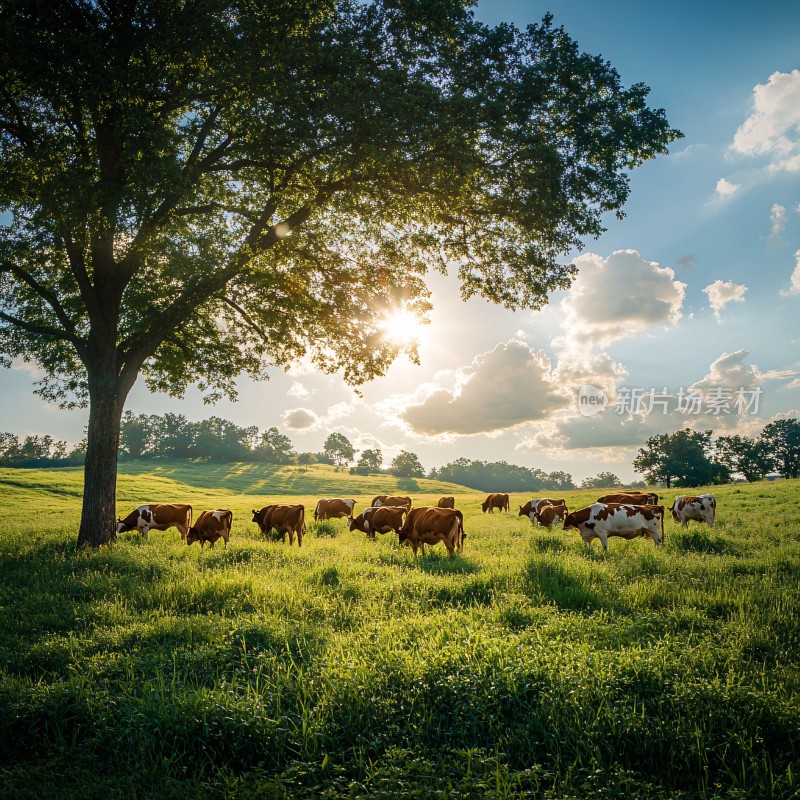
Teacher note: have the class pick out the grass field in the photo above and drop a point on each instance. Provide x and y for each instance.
(528, 667)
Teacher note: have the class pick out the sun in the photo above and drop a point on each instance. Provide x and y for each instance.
(402, 327)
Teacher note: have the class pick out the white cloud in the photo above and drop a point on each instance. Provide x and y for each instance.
(503, 388)
(298, 390)
(720, 293)
(773, 128)
(794, 288)
(725, 188)
(300, 419)
(777, 219)
(615, 298)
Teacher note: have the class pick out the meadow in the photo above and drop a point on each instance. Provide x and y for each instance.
(530, 666)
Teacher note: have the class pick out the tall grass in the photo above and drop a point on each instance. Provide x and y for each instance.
(529, 667)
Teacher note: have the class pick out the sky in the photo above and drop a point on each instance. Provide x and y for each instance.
(686, 312)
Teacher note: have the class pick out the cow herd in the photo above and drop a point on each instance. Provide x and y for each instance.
(623, 514)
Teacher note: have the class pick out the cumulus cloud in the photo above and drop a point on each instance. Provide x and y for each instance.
(794, 287)
(720, 293)
(777, 221)
(725, 188)
(503, 388)
(300, 419)
(617, 297)
(298, 390)
(773, 128)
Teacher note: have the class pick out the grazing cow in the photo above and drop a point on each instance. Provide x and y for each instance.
(284, 519)
(547, 515)
(157, 517)
(427, 525)
(701, 508)
(378, 519)
(531, 508)
(446, 502)
(494, 501)
(632, 498)
(210, 526)
(390, 500)
(601, 520)
(333, 508)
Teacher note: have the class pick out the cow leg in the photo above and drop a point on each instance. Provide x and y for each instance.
(299, 537)
(143, 530)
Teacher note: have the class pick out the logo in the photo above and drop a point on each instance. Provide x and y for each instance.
(591, 400)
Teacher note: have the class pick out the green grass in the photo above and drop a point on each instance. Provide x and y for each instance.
(529, 667)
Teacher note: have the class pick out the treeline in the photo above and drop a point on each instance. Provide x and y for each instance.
(499, 475)
(37, 451)
(694, 458)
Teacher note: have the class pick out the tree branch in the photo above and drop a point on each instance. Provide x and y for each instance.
(41, 330)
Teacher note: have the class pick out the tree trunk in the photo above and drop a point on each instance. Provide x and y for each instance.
(98, 517)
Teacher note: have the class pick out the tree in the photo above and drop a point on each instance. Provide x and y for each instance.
(745, 456)
(370, 460)
(782, 440)
(683, 457)
(407, 465)
(276, 448)
(196, 189)
(338, 449)
(603, 480)
(135, 436)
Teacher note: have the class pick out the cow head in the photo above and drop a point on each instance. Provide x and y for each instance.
(351, 524)
(121, 526)
(485, 505)
(193, 535)
(570, 522)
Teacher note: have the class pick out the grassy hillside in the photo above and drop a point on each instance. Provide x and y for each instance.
(528, 667)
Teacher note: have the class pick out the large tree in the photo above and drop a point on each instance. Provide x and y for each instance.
(683, 457)
(745, 456)
(782, 441)
(203, 188)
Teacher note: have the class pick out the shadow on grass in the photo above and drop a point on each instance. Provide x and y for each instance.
(568, 591)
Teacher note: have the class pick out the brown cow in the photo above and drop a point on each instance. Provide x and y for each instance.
(601, 520)
(428, 525)
(446, 502)
(378, 519)
(494, 501)
(157, 517)
(547, 515)
(333, 508)
(210, 526)
(702, 508)
(531, 508)
(632, 498)
(284, 519)
(390, 500)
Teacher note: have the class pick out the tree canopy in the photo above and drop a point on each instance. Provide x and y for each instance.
(206, 188)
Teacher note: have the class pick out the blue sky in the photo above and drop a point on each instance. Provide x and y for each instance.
(720, 213)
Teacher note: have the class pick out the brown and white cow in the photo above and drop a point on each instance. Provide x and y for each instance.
(157, 517)
(284, 519)
(701, 508)
(378, 519)
(333, 508)
(428, 525)
(532, 507)
(446, 502)
(390, 500)
(210, 526)
(546, 516)
(632, 498)
(601, 520)
(494, 501)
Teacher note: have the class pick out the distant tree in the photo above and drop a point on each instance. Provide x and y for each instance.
(682, 458)
(488, 476)
(135, 435)
(31, 451)
(370, 460)
(782, 439)
(560, 480)
(407, 465)
(173, 436)
(276, 448)
(338, 448)
(603, 480)
(307, 458)
(745, 456)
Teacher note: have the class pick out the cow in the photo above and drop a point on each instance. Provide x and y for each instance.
(427, 525)
(378, 519)
(157, 517)
(601, 520)
(632, 498)
(494, 501)
(547, 515)
(701, 508)
(390, 500)
(333, 508)
(284, 519)
(531, 508)
(210, 526)
(446, 502)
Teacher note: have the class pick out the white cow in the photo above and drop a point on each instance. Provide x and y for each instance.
(701, 508)
(601, 520)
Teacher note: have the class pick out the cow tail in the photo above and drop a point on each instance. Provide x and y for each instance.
(303, 519)
(230, 519)
(663, 514)
(190, 516)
